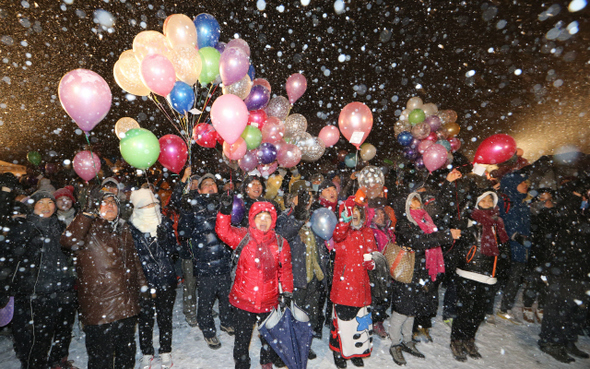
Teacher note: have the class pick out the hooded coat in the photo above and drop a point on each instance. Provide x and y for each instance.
(516, 214)
(261, 267)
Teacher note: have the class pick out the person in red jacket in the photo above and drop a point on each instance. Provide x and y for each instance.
(351, 328)
(262, 265)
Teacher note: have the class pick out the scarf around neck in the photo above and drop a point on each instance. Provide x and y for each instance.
(147, 220)
(492, 226)
(327, 204)
(434, 257)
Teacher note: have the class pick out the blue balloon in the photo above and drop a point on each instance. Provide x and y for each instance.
(350, 160)
(323, 223)
(446, 144)
(207, 30)
(405, 138)
(266, 153)
(182, 97)
(251, 72)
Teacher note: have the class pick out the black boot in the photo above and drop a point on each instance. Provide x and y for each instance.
(458, 350)
(557, 351)
(339, 360)
(397, 354)
(357, 361)
(471, 349)
(311, 355)
(573, 350)
(410, 348)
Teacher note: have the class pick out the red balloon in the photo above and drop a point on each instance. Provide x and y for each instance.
(173, 153)
(431, 137)
(205, 135)
(495, 149)
(257, 118)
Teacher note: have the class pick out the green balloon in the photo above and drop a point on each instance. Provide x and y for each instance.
(34, 158)
(252, 136)
(350, 160)
(210, 64)
(416, 116)
(140, 148)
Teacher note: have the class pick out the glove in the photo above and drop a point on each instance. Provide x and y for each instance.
(369, 264)
(226, 204)
(345, 217)
(285, 299)
(161, 232)
(93, 200)
(300, 212)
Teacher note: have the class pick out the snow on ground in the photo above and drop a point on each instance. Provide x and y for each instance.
(503, 345)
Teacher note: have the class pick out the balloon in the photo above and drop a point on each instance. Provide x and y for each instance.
(205, 135)
(410, 153)
(330, 135)
(266, 153)
(123, 125)
(180, 30)
(401, 126)
(421, 130)
(419, 162)
(207, 30)
(233, 164)
(451, 129)
(252, 136)
(236, 150)
(447, 116)
(323, 223)
(238, 210)
(288, 155)
(85, 96)
(251, 72)
(173, 153)
(355, 122)
(424, 145)
(241, 88)
(240, 44)
(350, 160)
(220, 46)
(34, 158)
(86, 165)
(405, 138)
(414, 103)
(257, 118)
(278, 145)
(267, 169)
(295, 124)
(432, 137)
(187, 63)
(416, 116)
(414, 143)
(278, 107)
(148, 43)
(233, 65)
(258, 97)
(157, 73)
(273, 130)
(434, 157)
(429, 109)
(140, 148)
(495, 149)
(446, 144)
(404, 115)
(434, 122)
(455, 144)
(262, 82)
(342, 155)
(182, 97)
(313, 150)
(249, 161)
(229, 116)
(368, 151)
(210, 65)
(296, 86)
(127, 74)
(372, 179)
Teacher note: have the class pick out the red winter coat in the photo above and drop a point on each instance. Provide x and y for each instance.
(351, 285)
(260, 267)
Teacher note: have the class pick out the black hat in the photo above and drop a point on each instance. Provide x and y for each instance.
(326, 183)
(40, 194)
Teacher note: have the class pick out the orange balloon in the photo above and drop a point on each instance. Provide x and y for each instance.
(451, 129)
(180, 30)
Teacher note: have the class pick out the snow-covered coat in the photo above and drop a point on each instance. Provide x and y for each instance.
(260, 266)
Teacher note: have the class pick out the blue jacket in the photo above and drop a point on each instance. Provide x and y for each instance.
(516, 214)
(196, 231)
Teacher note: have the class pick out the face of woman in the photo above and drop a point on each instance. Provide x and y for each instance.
(356, 217)
(254, 189)
(415, 204)
(64, 203)
(44, 208)
(379, 217)
(486, 203)
(263, 221)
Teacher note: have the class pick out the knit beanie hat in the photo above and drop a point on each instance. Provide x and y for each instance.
(325, 184)
(45, 185)
(142, 197)
(67, 191)
(201, 179)
(40, 194)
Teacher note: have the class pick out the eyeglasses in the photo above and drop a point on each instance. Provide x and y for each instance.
(109, 203)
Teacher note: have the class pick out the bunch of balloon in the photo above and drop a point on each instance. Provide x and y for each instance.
(427, 134)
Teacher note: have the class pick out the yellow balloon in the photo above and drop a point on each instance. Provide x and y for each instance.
(123, 125)
(127, 75)
(368, 151)
(187, 63)
(241, 88)
(150, 42)
(180, 30)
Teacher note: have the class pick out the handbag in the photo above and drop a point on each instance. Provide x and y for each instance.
(401, 262)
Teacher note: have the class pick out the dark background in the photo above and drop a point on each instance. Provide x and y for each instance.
(396, 49)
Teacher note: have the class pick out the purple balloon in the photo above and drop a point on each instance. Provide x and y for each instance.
(238, 210)
(233, 65)
(7, 312)
(249, 161)
(415, 142)
(220, 46)
(266, 153)
(434, 122)
(410, 153)
(258, 98)
(419, 163)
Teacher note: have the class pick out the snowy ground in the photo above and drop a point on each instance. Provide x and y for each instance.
(503, 345)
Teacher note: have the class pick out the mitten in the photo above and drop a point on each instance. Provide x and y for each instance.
(369, 264)
(300, 212)
(345, 217)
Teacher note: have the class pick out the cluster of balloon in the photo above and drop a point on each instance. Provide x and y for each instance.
(427, 134)
(34, 158)
(371, 178)
(495, 149)
(86, 165)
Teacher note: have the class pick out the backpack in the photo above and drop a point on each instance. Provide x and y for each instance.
(235, 256)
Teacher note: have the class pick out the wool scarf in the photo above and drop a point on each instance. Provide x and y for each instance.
(435, 262)
(312, 265)
(492, 226)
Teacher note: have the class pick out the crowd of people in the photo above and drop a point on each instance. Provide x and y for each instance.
(114, 255)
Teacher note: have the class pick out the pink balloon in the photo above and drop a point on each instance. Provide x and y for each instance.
(249, 161)
(455, 144)
(233, 65)
(173, 153)
(355, 122)
(434, 157)
(267, 169)
(424, 145)
(273, 130)
(86, 165)
(240, 44)
(85, 96)
(229, 116)
(330, 135)
(157, 73)
(236, 150)
(262, 82)
(288, 155)
(296, 86)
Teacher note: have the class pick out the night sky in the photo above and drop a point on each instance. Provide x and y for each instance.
(516, 67)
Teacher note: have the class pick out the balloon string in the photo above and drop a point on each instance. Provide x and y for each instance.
(163, 110)
(92, 156)
(356, 161)
(209, 96)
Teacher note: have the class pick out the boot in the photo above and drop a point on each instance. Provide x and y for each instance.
(397, 354)
(357, 361)
(471, 349)
(573, 350)
(311, 355)
(380, 330)
(508, 316)
(458, 350)
(146, 361)
(279, 362)
(410, 348)
(539, 315)
(339, 360)
(528, 315)
(557, 351)
(166, 360)
(423, 335)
